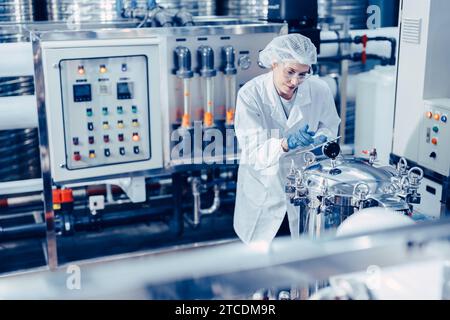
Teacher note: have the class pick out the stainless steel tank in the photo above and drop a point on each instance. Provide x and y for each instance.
(107, 10)
(20, 148)
(336, 11)
(331, 188)
(247, 8)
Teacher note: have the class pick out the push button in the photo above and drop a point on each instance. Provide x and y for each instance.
(90, 126)
(134, 109)
(76, 141)
(434, 141)
(105, 111)
(120, 110)
(429, 114)
(91, 140)
(135, 123)
(444, 119)
(136, 150)
(76, 156)
(436, 129)
(92, 154)
(120, 124)
(106, 138)
(136, 137)
(89, 112)
(120, 137)
(107, 153)
(105, 125)
(122, 151)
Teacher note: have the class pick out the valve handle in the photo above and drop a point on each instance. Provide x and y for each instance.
(309, 158)
(415, 174)
(361, 190)
(402, 165)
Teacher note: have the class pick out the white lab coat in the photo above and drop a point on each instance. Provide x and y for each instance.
(260, 126)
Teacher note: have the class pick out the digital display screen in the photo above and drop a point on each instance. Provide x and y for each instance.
(124, 90)
(82, 92)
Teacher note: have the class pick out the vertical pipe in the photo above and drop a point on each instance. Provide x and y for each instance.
(343, 98)
(186, 122)
(209, 114)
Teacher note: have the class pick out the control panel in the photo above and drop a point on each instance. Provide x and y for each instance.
(105, 110)
(434, 144)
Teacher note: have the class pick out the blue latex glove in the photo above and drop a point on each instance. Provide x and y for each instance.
(320, 139)
(302, 138)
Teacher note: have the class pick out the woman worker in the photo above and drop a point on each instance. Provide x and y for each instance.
(285, 109)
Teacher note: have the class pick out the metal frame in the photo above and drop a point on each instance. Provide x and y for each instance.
(235, 269)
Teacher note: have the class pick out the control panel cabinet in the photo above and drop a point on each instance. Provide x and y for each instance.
(102, 109)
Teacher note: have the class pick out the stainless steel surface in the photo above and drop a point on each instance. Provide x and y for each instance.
(230, 270)
(16, 10)
(247, 8)
(106, 10)
(52, 250)
(20, 147)
(329, 190)
(86, 10)
(353, 172)
(336, 11)
(238, 27)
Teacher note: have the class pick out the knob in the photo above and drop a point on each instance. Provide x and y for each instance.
(331, 150)
(244, 62)
(205, 57)
(182, 61)
(433, 155)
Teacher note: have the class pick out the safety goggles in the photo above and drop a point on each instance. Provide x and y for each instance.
(302, 76)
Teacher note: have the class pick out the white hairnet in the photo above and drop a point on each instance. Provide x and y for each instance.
(292, 46)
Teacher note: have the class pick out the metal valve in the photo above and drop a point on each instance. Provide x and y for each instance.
(415, 176)
(309, 158)
(360, 194)
(411, 187)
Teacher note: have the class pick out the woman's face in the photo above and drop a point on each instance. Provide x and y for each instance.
(288, 76)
